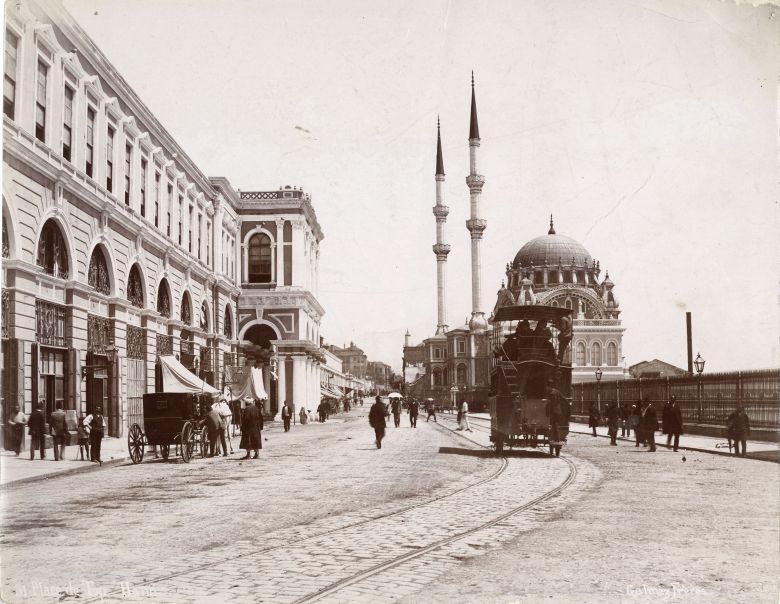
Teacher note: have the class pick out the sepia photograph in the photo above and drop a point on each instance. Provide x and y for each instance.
(390, 301)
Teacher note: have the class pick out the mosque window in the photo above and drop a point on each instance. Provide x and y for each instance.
(554, 303)
(567, 277)
(568, 304)
(538, 277)
(612, 354)
(596, 354)
(259, 259)
(580, 354)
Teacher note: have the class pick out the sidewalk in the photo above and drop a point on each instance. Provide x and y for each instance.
(757, 449)
(20, 470)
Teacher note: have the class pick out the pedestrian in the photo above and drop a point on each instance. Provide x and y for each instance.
(634, 420)
(96, 425)
(376, 418)
(58, 425)
(17, 422)
(396, 405)
(303, 416)
(36, 426)
(414, 409)
(674, 423)
(464, 417)
(593, 418)
(613, 418)
(649, 423)
(625, 412)
(665, 421)
(321, 411)
(430, 409)
(286, 416)
(251, 430)
(739, 428)
(83, 436)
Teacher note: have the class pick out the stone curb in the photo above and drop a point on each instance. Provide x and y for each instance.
(92, 467)
(753, 456)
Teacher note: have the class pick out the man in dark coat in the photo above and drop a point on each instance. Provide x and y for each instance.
(738, 427)
(376, 417)
(251, 430)
(674, 423)
(396, 405)
(286, 416)
(613, 418)
(649, 423)
(59, 432)
(665, 420)
(414, 410)
(37, 427)
(593, 417)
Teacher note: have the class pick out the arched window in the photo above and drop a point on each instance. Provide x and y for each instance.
(612, 359)
(164, 299)
(227, 329)
(596, 354)
(461, 375)
(554, 303)
(580, 354)
(135, 290)
(437, 377)
(259, 259)
(204, 317)
(6, 244)
(97, 276)
(568, 304)
(52, 253)
(185, 313)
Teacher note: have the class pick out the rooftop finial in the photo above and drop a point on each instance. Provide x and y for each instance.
(474, 126)
(439, 158)
(552, 228)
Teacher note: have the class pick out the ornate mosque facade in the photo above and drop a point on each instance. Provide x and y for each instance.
(551, 269)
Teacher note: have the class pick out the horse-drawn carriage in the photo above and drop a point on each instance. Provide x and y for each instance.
(530, 379)
(171, 419)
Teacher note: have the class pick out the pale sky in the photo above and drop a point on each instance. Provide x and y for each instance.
(648, 128)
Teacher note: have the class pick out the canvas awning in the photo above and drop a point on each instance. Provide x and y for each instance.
(331, 391)
(177, 378)
(245, 382)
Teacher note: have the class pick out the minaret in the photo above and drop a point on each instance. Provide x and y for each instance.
(440, 248)
(475, 224)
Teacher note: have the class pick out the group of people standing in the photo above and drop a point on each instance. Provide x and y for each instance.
(641, 417)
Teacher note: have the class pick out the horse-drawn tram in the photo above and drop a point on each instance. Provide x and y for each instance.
(530, 378)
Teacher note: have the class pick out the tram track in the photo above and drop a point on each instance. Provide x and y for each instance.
(503, 464)
(397, 561)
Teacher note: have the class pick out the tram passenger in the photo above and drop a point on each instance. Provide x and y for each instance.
(525, 339)
(542, 342)
(564, 336)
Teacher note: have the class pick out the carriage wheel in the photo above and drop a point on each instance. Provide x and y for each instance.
(204, 442)
(135, 443)
(165, 451)
(186, 442)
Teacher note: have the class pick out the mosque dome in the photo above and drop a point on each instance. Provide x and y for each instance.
(552, 249)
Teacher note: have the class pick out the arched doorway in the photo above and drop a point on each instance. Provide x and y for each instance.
(256, 345)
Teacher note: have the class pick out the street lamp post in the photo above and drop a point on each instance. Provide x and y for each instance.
(599, 373)
(699, 364)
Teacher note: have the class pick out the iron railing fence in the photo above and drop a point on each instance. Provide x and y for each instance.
(708, 399)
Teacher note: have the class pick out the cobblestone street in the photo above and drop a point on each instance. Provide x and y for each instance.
(429, 517)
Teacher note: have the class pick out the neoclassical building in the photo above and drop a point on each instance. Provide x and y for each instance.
(117, 249)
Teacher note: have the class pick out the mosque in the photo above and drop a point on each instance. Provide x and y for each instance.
(454, 364)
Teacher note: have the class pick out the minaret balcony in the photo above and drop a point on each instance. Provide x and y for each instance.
(476, 225)
(441, 250)
(441, 211)
(475, 181)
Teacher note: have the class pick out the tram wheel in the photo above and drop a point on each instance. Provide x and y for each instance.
(135, 443)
